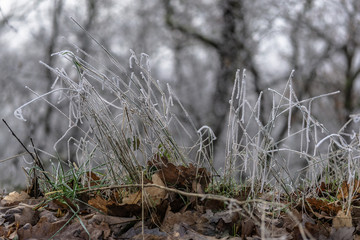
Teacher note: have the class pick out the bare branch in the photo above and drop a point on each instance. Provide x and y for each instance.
(186, 30)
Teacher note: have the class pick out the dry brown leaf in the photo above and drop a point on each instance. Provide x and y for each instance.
(345, 189)
(99, 203)
(155, 195)
(111, 220)
(77, 231)
(14, 198)
(197, 188)
(344, 233)
(172, 175)
(42, 230)
(342, 220)
(247, 228)
(193, 219)
(181, 176)
(92, 178)
(27, 215)
(313, 229)
(133, 198)
(55, 204)
(49, 215)
(321, 205)
(124, 210)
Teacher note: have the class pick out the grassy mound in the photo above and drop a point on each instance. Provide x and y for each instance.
(128, 160)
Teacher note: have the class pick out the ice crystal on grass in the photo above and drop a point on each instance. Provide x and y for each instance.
(125, 108)
(129, 118)
(252, 150)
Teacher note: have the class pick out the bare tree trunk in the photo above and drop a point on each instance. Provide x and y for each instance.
(232, 53)
(50, 49)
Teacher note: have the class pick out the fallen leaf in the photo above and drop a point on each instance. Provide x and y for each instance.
(214, 205)
(183, 176)
(344, 233)
(313, 229)
(92, 178)
(342, 220)
(27, 215)
(154, 194)
(77, 231)
(99, 203)
(42, 230)
(321, 205)
(55, 204)
(159, 212)
(192, 219)
(14, 198)
(346, 187)
(124, 210)
(172, 175)
(133, 198)
(247, 228)
(111, 220)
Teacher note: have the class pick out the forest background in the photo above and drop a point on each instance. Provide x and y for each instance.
(196, 47)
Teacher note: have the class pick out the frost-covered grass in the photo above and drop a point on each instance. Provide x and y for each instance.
(127, 118)
(252, 151)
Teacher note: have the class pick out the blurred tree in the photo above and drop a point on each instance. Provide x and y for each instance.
(325, 41)
(47, 121)
(207, 42)
(230, 29)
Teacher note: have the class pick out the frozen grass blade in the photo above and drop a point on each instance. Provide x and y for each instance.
(128, 119)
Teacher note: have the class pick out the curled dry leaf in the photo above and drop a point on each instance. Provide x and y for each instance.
(346, 188)
(14, 198)
(181, 176)
(321, 205)
(99, 203)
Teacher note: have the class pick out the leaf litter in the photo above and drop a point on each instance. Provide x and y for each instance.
(154, 212)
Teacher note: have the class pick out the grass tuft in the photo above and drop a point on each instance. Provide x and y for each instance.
(128, 119)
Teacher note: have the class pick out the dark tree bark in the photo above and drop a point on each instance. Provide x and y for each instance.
(50, 49)
(232, 51)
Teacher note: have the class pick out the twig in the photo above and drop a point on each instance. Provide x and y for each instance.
(34, 157)
(22, 144)
(13, 157)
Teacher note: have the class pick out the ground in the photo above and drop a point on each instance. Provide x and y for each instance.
(183, 208)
